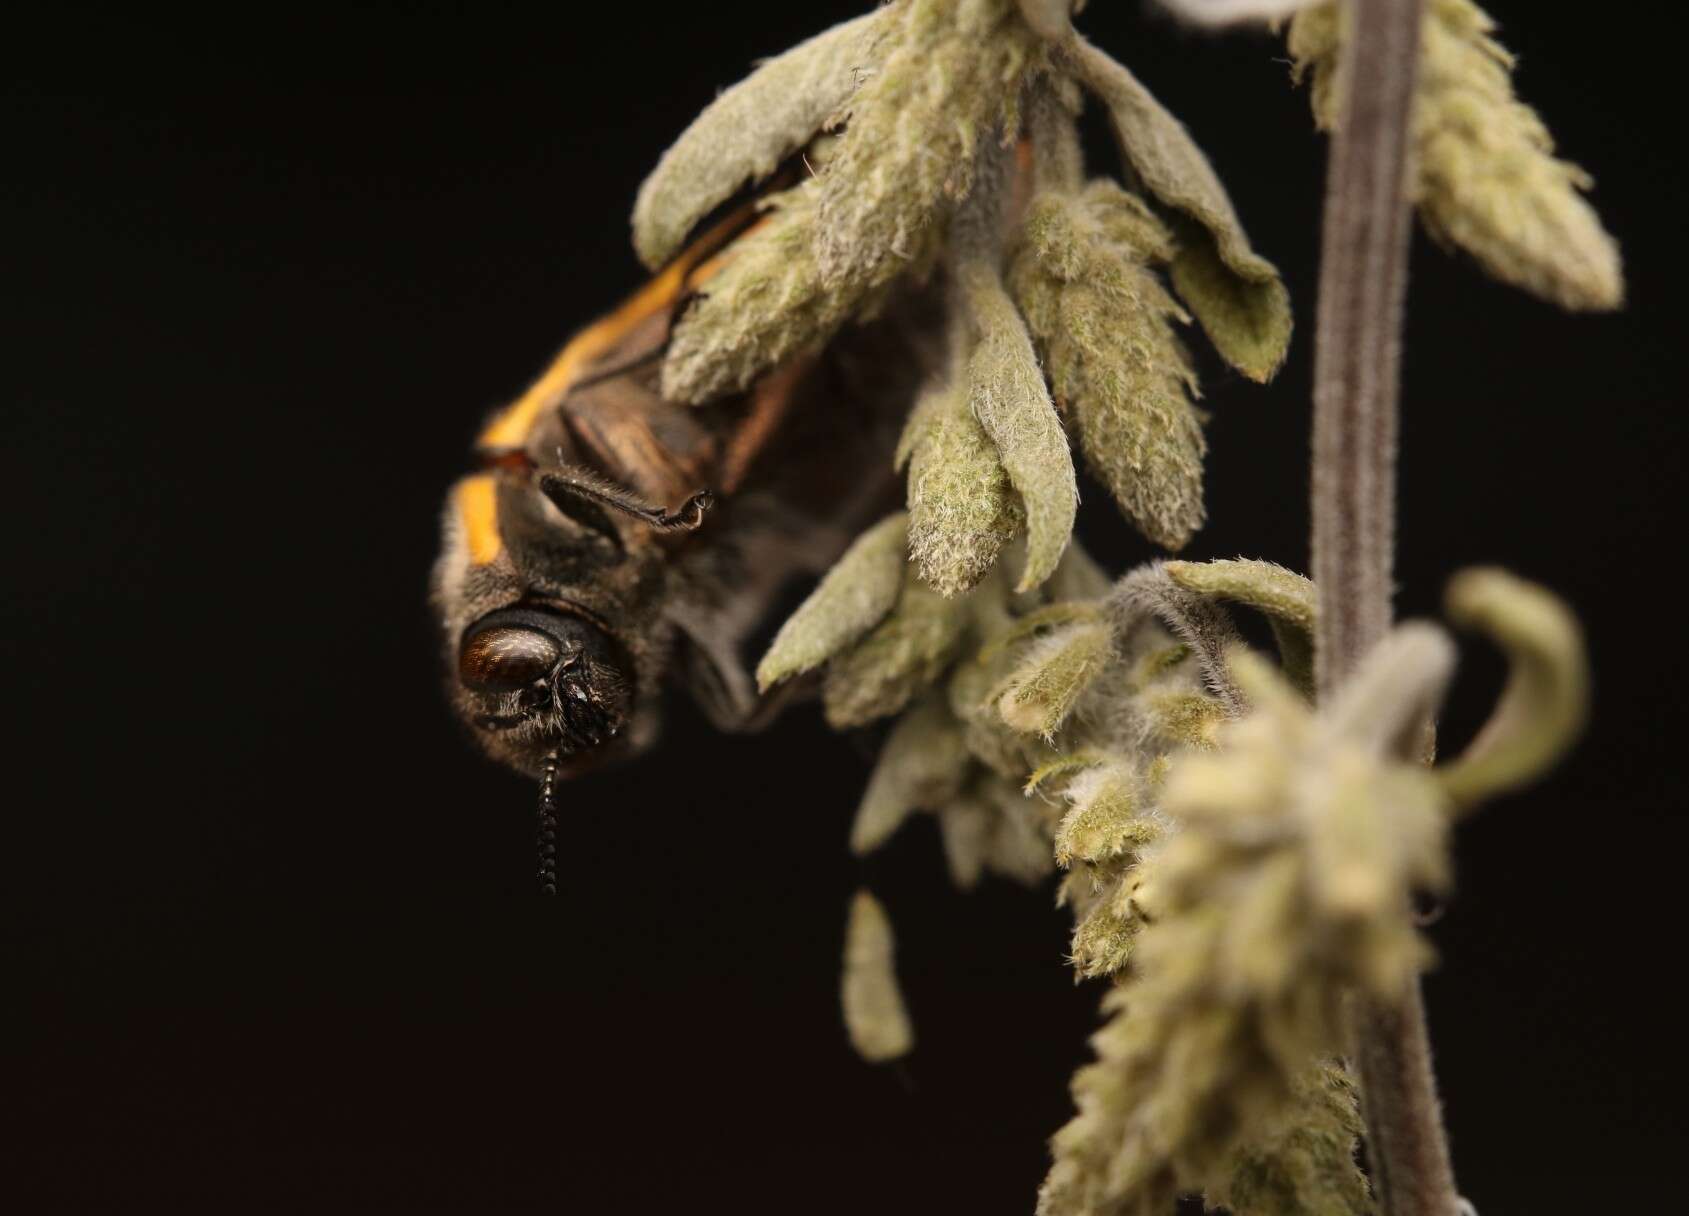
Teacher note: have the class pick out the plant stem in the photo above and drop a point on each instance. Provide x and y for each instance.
(1363, 286)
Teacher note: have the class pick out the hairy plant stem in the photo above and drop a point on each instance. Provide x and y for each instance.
(1363, 286)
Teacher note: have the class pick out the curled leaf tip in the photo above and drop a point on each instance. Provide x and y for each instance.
(1546, 701)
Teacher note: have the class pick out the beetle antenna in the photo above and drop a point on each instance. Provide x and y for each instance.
(545, 838)
(568, 481)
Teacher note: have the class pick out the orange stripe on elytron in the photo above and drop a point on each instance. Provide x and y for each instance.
(477, 511)
(510, 429)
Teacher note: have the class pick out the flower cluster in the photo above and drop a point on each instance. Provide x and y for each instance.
(939, 151)
(1236, 862)
(1281, 881)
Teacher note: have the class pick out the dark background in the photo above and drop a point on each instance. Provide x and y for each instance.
(271, 930)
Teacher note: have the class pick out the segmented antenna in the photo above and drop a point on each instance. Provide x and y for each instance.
(545, 838)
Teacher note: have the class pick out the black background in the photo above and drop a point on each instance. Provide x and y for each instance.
(271, 926)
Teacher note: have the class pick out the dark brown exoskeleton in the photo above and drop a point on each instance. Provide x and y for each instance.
(610, 540)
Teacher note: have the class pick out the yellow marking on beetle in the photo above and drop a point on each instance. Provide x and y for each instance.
(510, 429)
(477, 510)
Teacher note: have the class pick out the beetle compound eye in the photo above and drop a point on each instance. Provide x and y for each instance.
(504, 658)
(549, 674)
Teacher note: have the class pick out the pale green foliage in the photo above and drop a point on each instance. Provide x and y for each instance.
(1110, 822)
(1018, 844)
(874, 1014)
(1546, 701)
(1285, 886)
(855, 596)
(1176, 172)
(1247, 320)
(923, 765)
(1285, 597)
(972, 690)
(1104, 325)
(766, 304)
(1042, 691)
(1302, 1163)
(962, 509)
(951, 74)
(1487, 179)
(744, 134)
(1111, 786)
(1007, 394)
(902, 655)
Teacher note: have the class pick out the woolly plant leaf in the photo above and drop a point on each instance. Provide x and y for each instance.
(922, 766)
(1285, 598)
(1104, 325)
(1546, 701)
(1037, 698)
(874, 1013)
(962, 509)
(950, 74)
(1106, 805)
(1172, 167)
(856, 594)
(744, 134)
(1006, 392)
(1248, 321)
(764, 305)
(902, 655)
